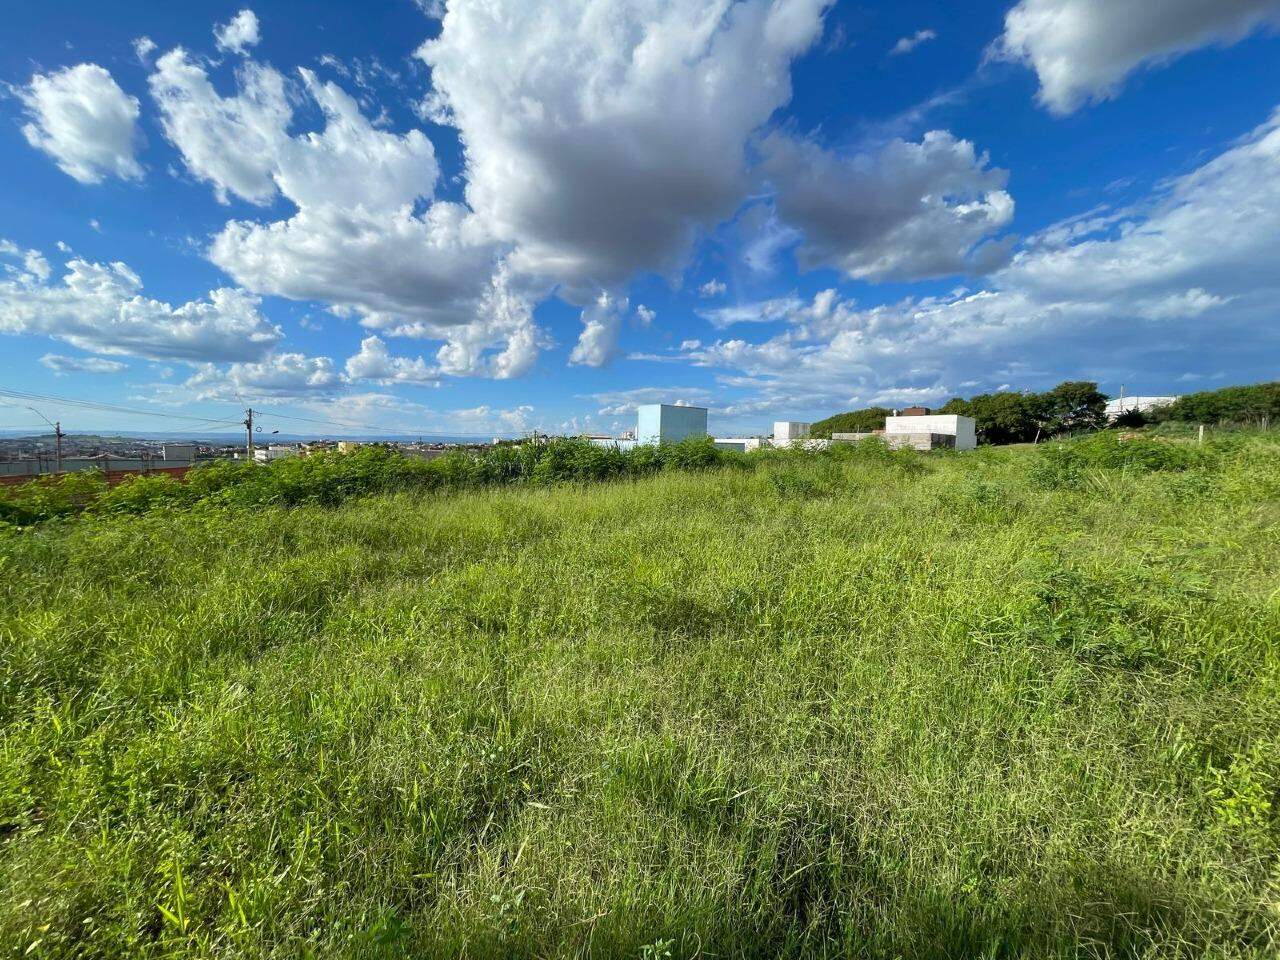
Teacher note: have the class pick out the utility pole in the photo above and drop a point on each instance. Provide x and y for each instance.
(248, 433)
(57, 435)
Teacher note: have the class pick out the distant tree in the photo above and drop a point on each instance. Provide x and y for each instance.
(855, 421)
(1004, 417)
(1072, 405)
(1257, 403)
(1131, 419)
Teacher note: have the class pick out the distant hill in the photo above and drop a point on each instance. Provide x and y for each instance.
(855, 421)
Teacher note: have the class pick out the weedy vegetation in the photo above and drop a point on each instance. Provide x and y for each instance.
(1019, 702)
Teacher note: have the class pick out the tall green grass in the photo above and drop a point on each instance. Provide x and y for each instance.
(331, 478)
(1011, 703)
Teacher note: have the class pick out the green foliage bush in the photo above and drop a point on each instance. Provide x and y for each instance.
(1254, 404)
(328, 479)
(1070, 463)
(1009, 417)
(142, 493)
(1004, 417)
(48, 497)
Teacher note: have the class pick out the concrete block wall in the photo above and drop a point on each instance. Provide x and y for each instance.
(919, 441)
(964, 429)
(740, 444)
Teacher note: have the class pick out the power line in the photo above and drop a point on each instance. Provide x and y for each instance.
(106, 407)
(338, 423)
(354, 426)
(109, 407)
(100, 406)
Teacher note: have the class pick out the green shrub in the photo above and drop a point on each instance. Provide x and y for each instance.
(331, 478)
(1257, 403)
(47, 497)
(142, 493)
(1069, 464)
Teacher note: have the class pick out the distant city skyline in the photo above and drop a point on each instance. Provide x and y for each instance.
(480, 219)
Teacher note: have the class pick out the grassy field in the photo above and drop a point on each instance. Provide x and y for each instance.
(1015, 703)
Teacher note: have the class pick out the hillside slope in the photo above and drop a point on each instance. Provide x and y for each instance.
(1017, 702)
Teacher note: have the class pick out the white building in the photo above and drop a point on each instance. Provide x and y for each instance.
(1123, 405)
(274, 452)
(669, 423)
(740, 444)
(964, 429)
(784, 431)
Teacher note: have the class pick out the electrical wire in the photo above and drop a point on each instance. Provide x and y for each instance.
(267, 414)
(107, 407)
(21, 395)
(285, 416)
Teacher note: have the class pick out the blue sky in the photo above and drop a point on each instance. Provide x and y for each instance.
(484, 218)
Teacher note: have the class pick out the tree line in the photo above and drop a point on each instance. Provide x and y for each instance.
(1074, 406)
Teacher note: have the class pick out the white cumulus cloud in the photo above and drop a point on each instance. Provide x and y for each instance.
(367, 237)
(239, 34)
(231, 143)
(387, 413)
(281, 375)
(1184, 281)
(601, 325)
(907, 44)
(62, 366)
(143, 48)
(101, 308)
(907, 211)
(1082, 50)
(81, 118)
(621, 403)
(374, 362)
(601, 136)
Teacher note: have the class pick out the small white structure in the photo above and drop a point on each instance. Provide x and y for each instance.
(274, 452)
(964, 429)
(669, 423)
(740, 444)
(784, 431)
(1123, 405)
(613, 443)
